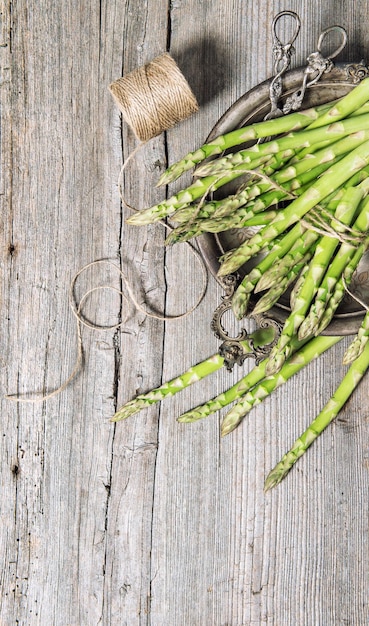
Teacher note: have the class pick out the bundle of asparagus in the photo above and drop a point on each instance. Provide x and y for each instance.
(317, 162)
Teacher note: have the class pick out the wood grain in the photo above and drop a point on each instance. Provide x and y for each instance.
(151, 522)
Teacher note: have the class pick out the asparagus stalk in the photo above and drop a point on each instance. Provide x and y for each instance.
(325, 417)
(253, 132)
(354, 126)
(357, 346)
(235, 392)
(323, 253)
(345, 106)
(337, 175)
(335, 270)
(313, 117)
(260, 337)
(311, 350)
(340, 289)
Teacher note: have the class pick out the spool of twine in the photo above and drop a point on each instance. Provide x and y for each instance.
(154, 97)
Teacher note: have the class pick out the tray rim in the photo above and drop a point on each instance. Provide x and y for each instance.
(245, 108)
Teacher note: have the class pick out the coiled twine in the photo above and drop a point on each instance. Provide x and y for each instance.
(154, 97)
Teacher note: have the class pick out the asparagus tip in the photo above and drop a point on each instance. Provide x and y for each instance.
(262, 285)
(117, 418)
(185, 418)
(170, 240)
(226, 429)
(166, 178)
(161, 181)
(348, 358)
(305, 331)
(354, 350)
(222, 271)
(274, 477)
(274, 365)
(260, 307)
(126, 411)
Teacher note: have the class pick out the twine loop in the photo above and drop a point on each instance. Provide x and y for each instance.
(323, 222)
(318, 219)
(77, 310)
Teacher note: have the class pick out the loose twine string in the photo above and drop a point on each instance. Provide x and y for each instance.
(354, 296)
(318, 219)
(152, 99)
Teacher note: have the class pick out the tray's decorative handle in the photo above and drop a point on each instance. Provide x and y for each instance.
(356, 72)
(231, 348)
(282, 60)
(316, 67)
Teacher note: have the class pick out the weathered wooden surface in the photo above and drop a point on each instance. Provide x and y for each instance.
(150, 522)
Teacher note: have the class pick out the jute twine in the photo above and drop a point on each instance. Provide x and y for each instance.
(318, 219)
(154, 97)
(76, 307)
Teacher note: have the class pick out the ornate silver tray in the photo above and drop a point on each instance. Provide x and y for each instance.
(252, 107)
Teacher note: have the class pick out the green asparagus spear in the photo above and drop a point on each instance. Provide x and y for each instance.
(357, 346)
(337, 175)
(323, 253)
(325, 417)
(260, 337)
(355, 127)
(235, 392)
(357, 97)
(280, 125)
(311, 350)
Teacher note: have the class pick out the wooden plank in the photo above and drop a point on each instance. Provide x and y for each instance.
(66, 148)
(223, 552)
(132, 488)
(44, 204)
